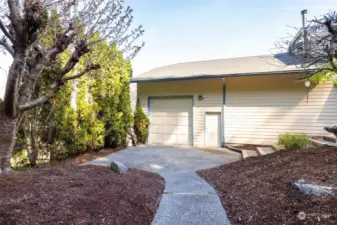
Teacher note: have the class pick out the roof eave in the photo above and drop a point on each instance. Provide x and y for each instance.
(203, 76)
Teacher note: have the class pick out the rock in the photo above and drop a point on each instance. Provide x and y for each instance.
(332, 129)
(118, 167)
(311, 189)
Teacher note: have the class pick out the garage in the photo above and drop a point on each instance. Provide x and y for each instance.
(170, 120)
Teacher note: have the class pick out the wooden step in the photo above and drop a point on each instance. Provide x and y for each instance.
(329, 138)
(265, 150)
(233, 148)
(249, 153)
(277, 147)
(321, 142)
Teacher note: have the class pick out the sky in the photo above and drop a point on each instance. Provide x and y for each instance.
(189, 30)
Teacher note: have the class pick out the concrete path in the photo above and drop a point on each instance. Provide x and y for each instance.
(187, 198)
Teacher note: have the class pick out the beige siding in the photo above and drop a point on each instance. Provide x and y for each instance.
(258, 109)
(210, 89)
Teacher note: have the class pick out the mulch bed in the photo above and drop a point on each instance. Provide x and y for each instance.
(79, 195)
(83, 158)
(88, 156)
(259, 190)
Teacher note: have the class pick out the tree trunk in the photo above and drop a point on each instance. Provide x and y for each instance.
(51, 134)
(13, 81)
(34, 150)
(7, 140)
(132, 136)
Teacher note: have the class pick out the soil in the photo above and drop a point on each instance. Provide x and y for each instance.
(79, 195)
(83, 158)
(86, 157)
(259, 190)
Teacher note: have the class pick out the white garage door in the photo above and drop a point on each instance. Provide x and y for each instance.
(171, 121)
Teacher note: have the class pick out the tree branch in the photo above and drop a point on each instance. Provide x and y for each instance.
(55, 87)
(15, 15)
(8, 48)
(36, 102)
(81, 48)
(91, 67)
(4, 30)
(42, 60)
(332, 63)
(317, 71)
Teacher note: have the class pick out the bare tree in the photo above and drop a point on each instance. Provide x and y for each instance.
(23, 23)
(315, 45)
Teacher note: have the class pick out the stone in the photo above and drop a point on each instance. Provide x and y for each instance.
(312, 189)
(118, 167)
(332, 129)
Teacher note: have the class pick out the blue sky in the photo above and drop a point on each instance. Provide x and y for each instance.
(188, 30)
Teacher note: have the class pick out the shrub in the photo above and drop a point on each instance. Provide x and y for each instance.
(293, 141)
(141, 124)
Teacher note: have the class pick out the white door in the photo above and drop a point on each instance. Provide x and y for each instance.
(170, 121)
(213, 129)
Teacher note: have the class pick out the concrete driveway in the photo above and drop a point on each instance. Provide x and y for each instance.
(161, 159)
(187, 198)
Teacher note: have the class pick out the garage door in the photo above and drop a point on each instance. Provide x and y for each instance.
(171, 121)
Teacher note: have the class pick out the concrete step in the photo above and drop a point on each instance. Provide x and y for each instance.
(277, 147)
(321, 142)
(265, 150)
(248, 153)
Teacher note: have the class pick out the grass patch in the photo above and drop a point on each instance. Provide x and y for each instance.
(294, 141)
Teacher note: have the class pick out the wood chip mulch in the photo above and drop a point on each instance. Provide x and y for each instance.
(80, 159)
(259, 190)
(79, 195)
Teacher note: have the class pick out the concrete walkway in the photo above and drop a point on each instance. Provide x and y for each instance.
(187, 198)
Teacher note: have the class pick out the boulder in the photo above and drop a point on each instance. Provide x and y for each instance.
(332, 129)
(118, 167)
(312, 189)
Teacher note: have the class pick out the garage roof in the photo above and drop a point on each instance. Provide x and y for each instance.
(244, 66)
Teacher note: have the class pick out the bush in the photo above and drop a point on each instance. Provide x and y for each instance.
(293, 141)
(141, 124)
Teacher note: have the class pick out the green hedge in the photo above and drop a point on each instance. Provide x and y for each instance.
(141, 124)
(293, 141)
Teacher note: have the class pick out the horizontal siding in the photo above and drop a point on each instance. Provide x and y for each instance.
(259, 109)
(210, 89)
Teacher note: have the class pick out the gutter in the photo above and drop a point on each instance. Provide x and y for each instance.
(205, 76)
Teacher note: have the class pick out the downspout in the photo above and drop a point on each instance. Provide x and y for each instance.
(223, 142)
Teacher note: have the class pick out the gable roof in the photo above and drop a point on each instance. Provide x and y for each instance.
(244, 66)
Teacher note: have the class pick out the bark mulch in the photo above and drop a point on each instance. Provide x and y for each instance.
(79, 195)
(83, 158)
(259, 190)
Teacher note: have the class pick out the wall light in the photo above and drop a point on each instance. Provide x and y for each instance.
(307, 83)
(200, 98)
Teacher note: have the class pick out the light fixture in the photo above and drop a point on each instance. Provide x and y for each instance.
(200, 97)
(307, 83)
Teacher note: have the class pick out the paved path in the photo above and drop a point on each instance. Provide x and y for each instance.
(187, 198)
